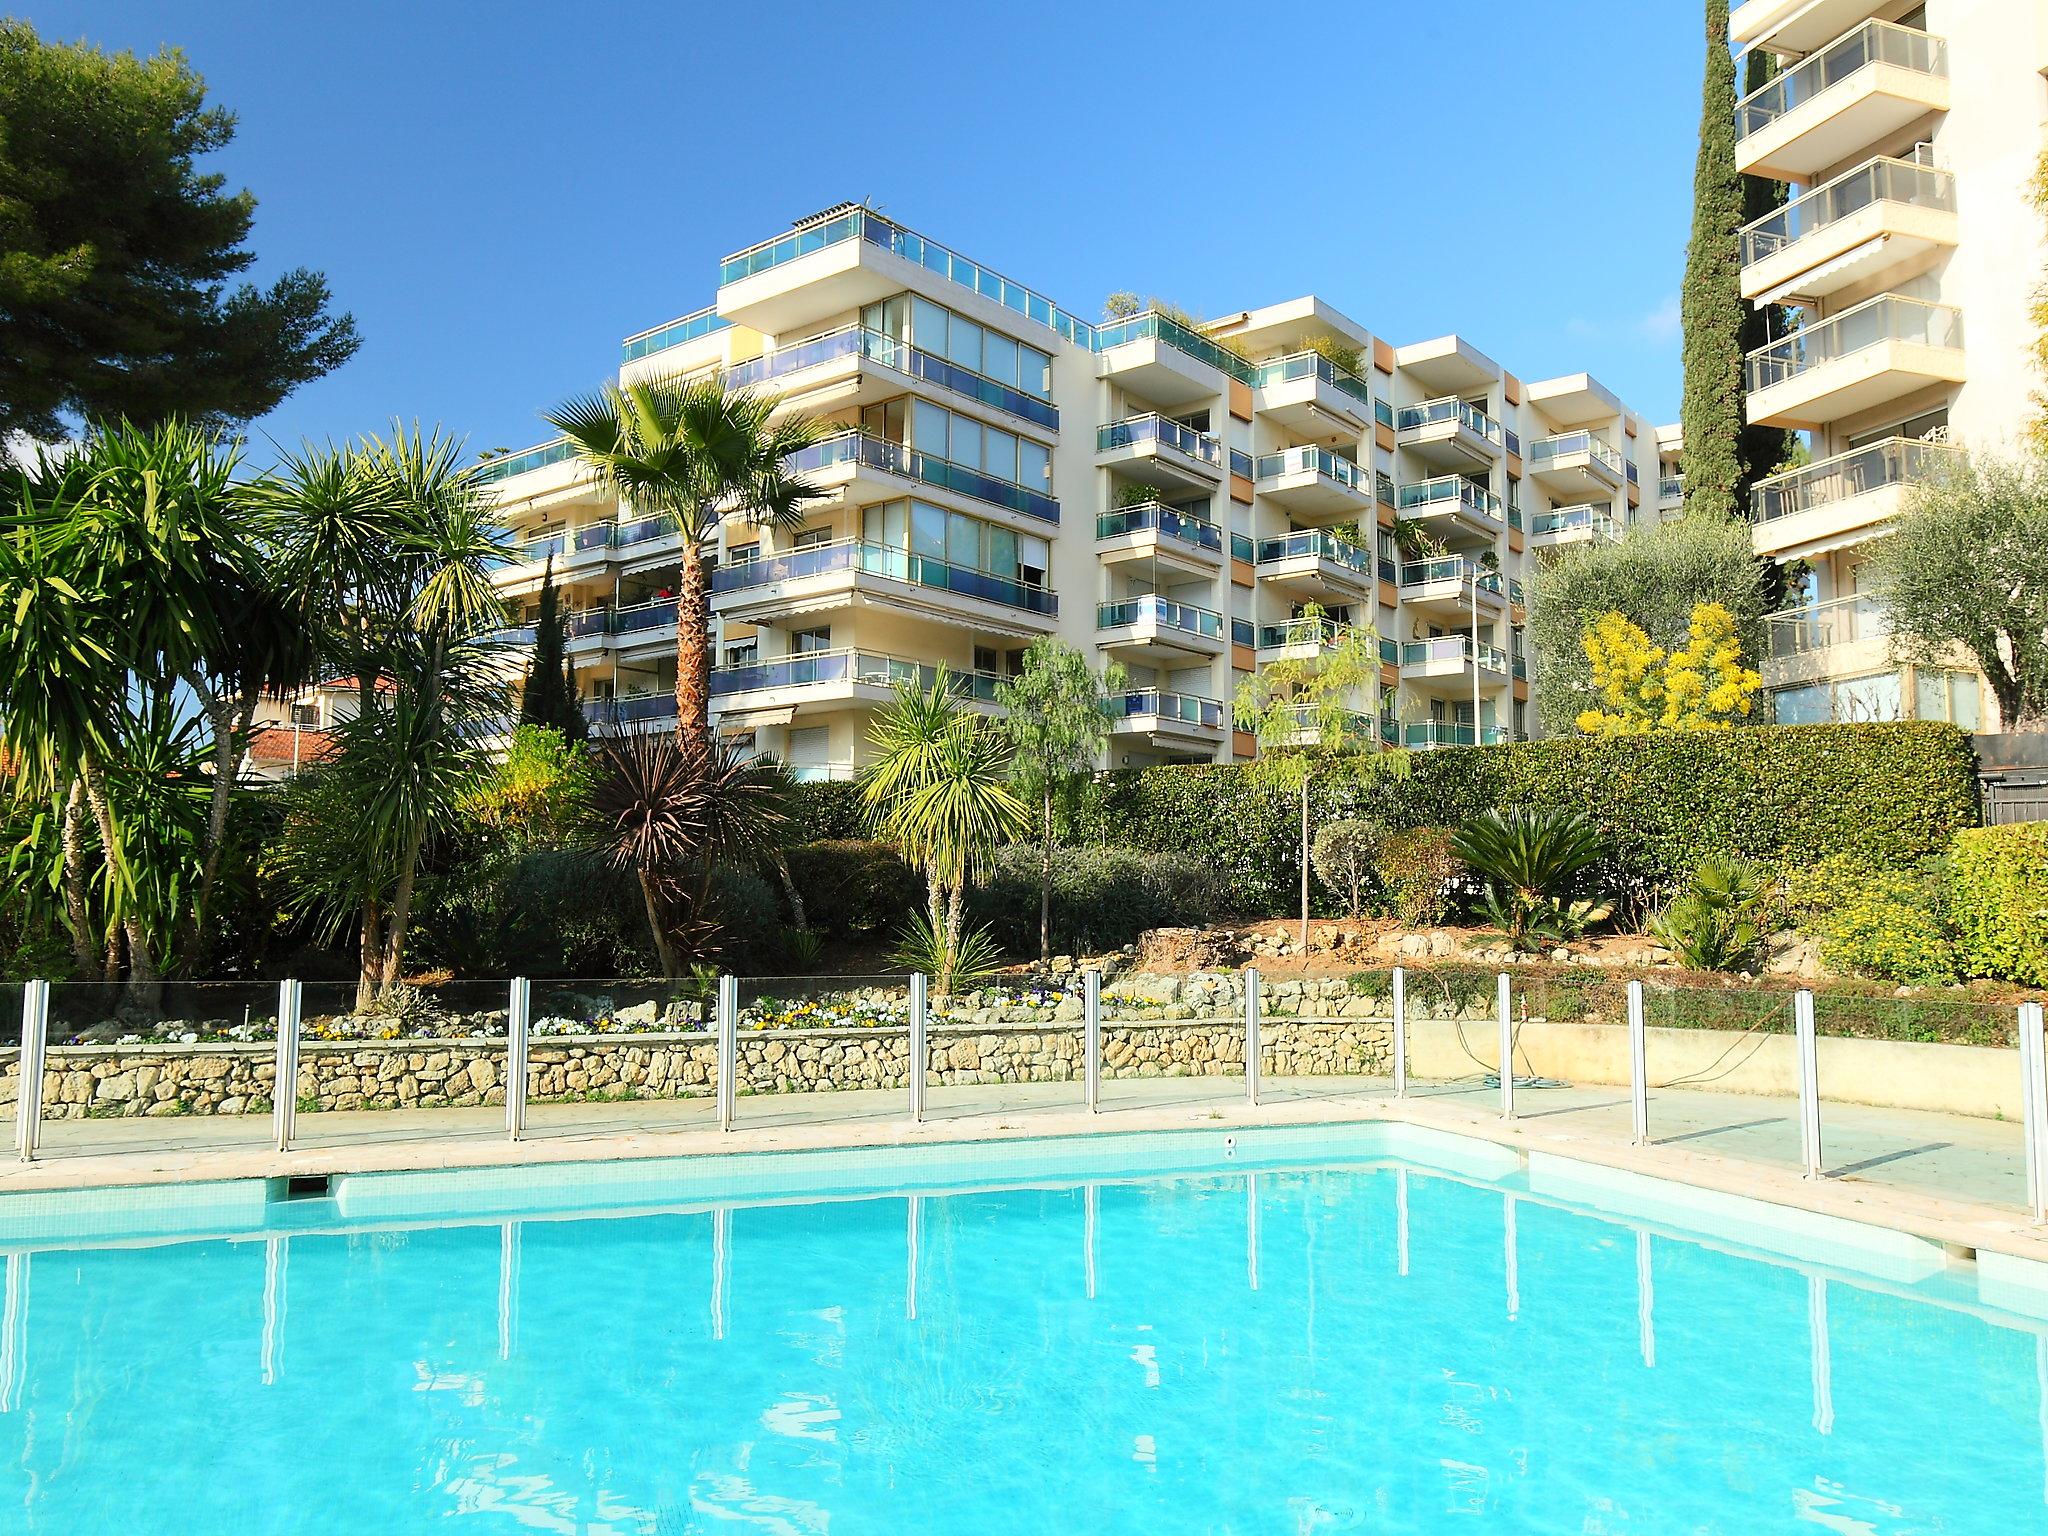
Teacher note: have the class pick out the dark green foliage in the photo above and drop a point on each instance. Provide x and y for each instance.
(116, 251)
(543, 912)
(1102, 898)
(747, 917)
(1711, 925)
(1535, 865)
(829, 810)
(1761, 449)
(1710, 302)
(853, 889)
(549, 698)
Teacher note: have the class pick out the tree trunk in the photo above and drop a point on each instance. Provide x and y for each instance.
(85, 961)
(1304, 862)
(663, 950)
(1045, 888)
(693, 650)
(956, 904)
(227, 730)
(369, 964)
(142, 970)
(796, 897)
(401, 914)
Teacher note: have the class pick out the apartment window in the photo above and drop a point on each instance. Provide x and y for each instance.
(1876, 697)
(808, 746)
(306, 714)
(935, 329)
(740, 554)
(805, 641)
(1926, 424)
(936, 534)
(1019, 460)
(744, 654)
(811, 538)
(885, 420)
(1950, 696)
(1521, 722)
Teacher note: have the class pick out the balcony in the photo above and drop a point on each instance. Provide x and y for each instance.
(1299, 639)
(865, 467)
(1843, 500)
(856, 365)
(645, 711)
(675, 333)
(1451, 662)
(1450, 434)
(1560, 526)
(1861, 88)
(1313, 482)
(1173, 722)
(1158, 451)
(1151, 630)
(1155, 356)
(1879, 351)
(1331, 729)
(1317, 566)
(1154, 533)
(1452, 585)
(854, 573)
(638, 626)
(1427, 735)
(1576, 464)
(1892, 216)
(1794, 26)
(824, 682)
(1453, 509)
(1670, 492)
(1312, 397)
(1845, 637)
(508, 465)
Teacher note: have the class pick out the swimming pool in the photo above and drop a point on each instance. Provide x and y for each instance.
(1254, 1346)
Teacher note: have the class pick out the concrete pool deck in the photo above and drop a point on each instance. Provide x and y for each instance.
(1947, 1178)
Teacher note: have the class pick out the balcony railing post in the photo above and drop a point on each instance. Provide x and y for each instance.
(1503, 990)
(518, 1025)
(1251, 1035)
(1091, 1040)
(35, 1039)
(1638, 1067)
(284, 1089)
(1807, 1046)
(1400, 1033)
(920, 1051)
(2034, 1108)
(728, 1048)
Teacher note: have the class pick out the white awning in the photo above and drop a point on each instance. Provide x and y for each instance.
(1854, 257)
(739, 722)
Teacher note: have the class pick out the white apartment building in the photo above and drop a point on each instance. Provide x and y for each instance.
(1168, 496)
(1910, 247)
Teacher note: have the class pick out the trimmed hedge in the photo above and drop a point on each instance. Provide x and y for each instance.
(1102, 898)
(854, 889)
(1998, 901)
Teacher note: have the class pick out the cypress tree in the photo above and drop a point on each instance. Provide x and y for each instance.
(1763, 449)
(574, 726)
(542, 701)
(1710, 303)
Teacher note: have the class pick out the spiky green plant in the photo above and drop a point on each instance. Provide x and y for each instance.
(1534, 865)
(1711, 925)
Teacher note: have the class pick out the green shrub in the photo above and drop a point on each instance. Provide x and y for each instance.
(1998, 901)
(829, 810)
(1893, 928)
(749, 917)
(540, 912)
(1712, 924)
(1535, 865)
(1417, 868)
(1102, 898)
(1342, 856)
(853, 889)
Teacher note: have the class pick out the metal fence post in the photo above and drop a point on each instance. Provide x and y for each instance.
(1638, 1066)
(35, 1039)
(284, 1091)
(2034, 1107)
(1400, 1033)
(1091, 1040)
(728, 1048)
(920, 1018)
(518, 1024)
(1809, 1081)
(1504, 998)
(1251, 1035)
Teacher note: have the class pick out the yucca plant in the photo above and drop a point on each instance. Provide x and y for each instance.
(974, 956)
(1534, 865)
(1711, 925)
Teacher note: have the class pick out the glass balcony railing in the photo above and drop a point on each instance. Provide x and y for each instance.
(865, 558)
(1564, 445)
(547, 546)
(1671, 488)
(1162, 611)
(1453, 648)
(700, 323)
(1390, 652)
(1321, 633)
(1242, 548)
(1597, 519)
(1515, 516)
(811, 668)
(1513, 440)
(1240, 463)
(1875, 42)
(506, 465)
(1316, 544)
(592, 537)
(1187, 708)
(1241, 631)
(1895, 461)
(1427, 573)
(1315, 461)
(514, 634)
(1383, 413)
(900, 356)
(1821, 626)
(1449, 491)
(1875, 181)
(1313, 365)
(1153, 326)
(1886, 318)
(588, 623)
(644, 530)
(1422, 734)
(634, 618)
(1151, 515)
(1413, 418)
(637, 708)
(1154, 428)
(897, 459)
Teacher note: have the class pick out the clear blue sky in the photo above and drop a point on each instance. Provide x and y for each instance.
(500, 192)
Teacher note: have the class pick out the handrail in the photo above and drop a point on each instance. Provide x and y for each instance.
(858, 446)
(1154, 326)
(1188, 708)
(1153, 427)
(1170, 521)
(1320, 461)
(1592, 515)
(900, 356)
(1320, 632)
(866, 557)
(1562, 444)
(1888, 317)
(672, 333)
(1453, 648)
(1319, 542)
(1877, 180)
(1441, 488)
(1449, 408)
(1303, 365)
(1875, 42)
(848, 664)
(1873, 467)
(1190, 617)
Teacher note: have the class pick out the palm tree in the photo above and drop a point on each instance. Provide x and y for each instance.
(938, 788)
(698, 453)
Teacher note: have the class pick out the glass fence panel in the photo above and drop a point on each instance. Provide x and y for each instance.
(1722, 1069)
(1571, 1050)
(617, 1053)
(1172, 1040)
(1328, 1037)
(1453, 1032)
(815, 1048)
(1922, 1092)
(1007, 1045)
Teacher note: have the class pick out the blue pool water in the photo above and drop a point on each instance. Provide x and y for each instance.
(1374, 1349)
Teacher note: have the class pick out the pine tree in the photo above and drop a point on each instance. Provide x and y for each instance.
(542, 701)
(1710, 304)
(1763, 449)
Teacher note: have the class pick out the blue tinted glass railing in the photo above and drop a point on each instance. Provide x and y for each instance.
(1383, 411)
(1414, 418)
(592, 621)
(857, 340)
(537, 550)
(895, 458)
(1453, 490)
(1565, 445)
(1301, 632)
(514, 634)
(591, 536)
(635, 708)
(1240, 463)
(1390, 652)
(1312, 365)
(1154, 428)
(1159, 610)
(644, 530)
(657, 614)
(1242, 548)
(1513, 439)
(886, 561)
(1241, 631)
(506, 465)
(1317, 544)
(1875, 42)
(1671, 488)
(700, 323)
(1187, 708)
(1317, 461)
(810, 668)
(1446, 733)
(1151, 515)
(1153, 326)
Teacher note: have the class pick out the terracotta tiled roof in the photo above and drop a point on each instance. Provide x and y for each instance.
(274, 744)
